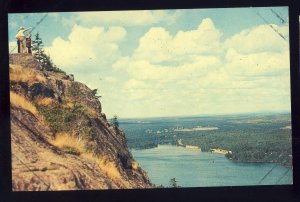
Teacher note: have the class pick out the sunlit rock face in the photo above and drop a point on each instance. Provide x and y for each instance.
(61, 139)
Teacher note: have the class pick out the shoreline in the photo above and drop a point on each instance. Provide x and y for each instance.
(233, 160)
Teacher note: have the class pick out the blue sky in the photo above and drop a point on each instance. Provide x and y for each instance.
(172, 62)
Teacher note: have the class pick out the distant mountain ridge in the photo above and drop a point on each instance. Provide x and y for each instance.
(60, 138)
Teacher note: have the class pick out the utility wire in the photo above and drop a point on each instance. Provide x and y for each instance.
(39, 22)
(278, 16)
(36, 25)
(270, 25)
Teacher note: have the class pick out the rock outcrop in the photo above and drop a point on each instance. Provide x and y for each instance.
(61, 139)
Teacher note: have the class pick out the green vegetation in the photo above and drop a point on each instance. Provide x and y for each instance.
(95, 91)
(75, 92)
(115, 121)
(246, 146)
(37, 47)
(71, 150)
(173, 183)
(74, 121)
(251, 138)
(41, 56)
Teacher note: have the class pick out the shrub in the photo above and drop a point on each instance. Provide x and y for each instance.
(173, 183)
(75, 91)
(94, 92)
(56, 117)
(41, 56)
(60, 119)
(115, 121)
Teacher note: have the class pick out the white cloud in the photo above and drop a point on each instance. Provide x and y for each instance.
(264, 63)
(259, 39)
(136, 89)
(126, 18)
(157, 45)
(143, 69)
(191, 53)
(87, 47)
(189, 72)
(193, 70)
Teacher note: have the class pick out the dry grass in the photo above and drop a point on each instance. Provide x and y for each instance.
(63, 140)
(20, 74)
(45, 101)
(91, 112)
(135, 165)
(106, 165)
(20, 101)
(68, 105)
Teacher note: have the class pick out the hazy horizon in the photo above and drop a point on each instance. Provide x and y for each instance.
(208, 115)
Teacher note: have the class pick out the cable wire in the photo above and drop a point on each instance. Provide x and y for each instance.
(270, 25)
(36, 25)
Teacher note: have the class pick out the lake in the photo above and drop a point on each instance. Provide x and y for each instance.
(193, 168)
(264, 137)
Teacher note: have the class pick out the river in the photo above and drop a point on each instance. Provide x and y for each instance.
(193, 168)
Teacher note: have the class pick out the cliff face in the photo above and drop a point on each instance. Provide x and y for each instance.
(60, 138)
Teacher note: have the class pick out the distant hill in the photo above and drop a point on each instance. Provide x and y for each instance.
(60, 138)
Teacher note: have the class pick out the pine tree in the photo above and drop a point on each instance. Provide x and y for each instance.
(37, 48)
(41, 56)
(115, 121)
(173, 183)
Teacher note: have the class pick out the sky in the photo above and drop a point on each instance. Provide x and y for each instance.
(157, 63)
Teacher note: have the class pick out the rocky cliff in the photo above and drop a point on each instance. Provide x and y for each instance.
(60, 138)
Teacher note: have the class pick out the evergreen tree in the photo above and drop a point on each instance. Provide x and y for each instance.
(173, 183)
(37, 48)
(41, 56)
(115, 121)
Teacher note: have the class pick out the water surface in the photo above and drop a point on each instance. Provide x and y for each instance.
(193, 168)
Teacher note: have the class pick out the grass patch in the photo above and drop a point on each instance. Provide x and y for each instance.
(68, 105)
(91, 112)
(20, 101)
(106, 165)
(45, 101)
(135, 165)
(68, 143)
(19, 74)
(72, 145)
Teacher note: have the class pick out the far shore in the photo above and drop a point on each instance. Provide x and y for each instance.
(199, 128)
